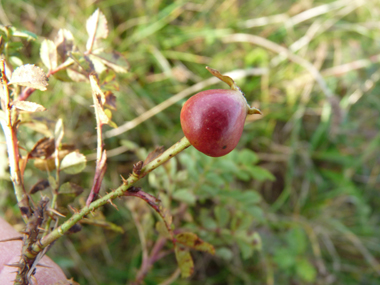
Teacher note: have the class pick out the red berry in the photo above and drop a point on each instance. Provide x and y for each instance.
(213, 120)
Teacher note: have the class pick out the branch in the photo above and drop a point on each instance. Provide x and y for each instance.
(120, 191)
(9, 128)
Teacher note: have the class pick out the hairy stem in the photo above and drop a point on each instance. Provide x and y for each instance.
(120, 191)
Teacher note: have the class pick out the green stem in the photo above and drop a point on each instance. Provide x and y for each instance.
(61, 230)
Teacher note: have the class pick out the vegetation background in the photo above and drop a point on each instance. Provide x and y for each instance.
(296, 203)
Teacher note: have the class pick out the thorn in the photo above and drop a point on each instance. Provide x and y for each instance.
(43, 265)
(109, 201)
(13, 265)
(125, 181)
(12, 239)
(56, 212)
(75, 211)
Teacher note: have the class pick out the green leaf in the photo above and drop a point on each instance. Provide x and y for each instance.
(193, 241)
(49, 55)
(297, 240)
(185, 261)
(222, 215)
(306, 271)
(284, 258)
(247, 157)
(224, 253)
(162, 230)
(73, 163)
(185, 195)
(71, 189)
(259, 173)
(52, 182)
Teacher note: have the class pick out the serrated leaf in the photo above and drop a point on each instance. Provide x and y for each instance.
(48, 54)
(73, 163)
(30, 75)
(185, 262)
(96, 27)
(193, 241)
(70, 188)
(27, 106)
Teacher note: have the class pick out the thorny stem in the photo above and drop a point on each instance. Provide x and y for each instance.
(9, 129)
(120, 191)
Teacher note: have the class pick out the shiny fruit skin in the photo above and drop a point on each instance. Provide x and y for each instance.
(213, 120)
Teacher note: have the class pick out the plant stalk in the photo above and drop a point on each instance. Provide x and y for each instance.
(120, 191)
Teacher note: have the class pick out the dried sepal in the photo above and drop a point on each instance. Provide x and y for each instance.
(154, 154)
(39, 186)
(30, 75)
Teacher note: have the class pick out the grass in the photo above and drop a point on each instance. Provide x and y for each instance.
(318, 219)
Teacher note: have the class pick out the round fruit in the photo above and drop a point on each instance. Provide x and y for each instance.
(213, 120)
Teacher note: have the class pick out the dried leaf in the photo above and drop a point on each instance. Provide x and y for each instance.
(30, 75)
(64, 42)
(27, 106)
(70, 188)
(96, 27)
(154, 154)
(110, 100)
(39, 186)
(185, 262)
(137, 168)
(43, 148)
(73, 163)
(193, 241)
(49, 55)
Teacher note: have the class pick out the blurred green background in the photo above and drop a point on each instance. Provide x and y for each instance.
(296, 203)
